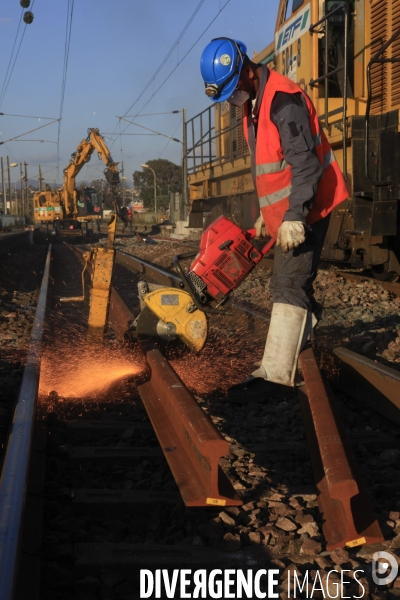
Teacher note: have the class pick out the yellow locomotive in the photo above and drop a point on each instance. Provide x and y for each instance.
(346, 55)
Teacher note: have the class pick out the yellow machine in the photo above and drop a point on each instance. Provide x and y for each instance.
(70, 204)
(100, 263)
(346, 55)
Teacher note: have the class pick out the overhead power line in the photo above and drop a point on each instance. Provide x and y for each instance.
(174, 46)
(169, 141)
(27, 116)
(41, 141)
(177, 65)
(170, 112)
(200, 4)
(187, 53)
(70, 12)
(9, 73)
(31, 131)
(148, 129)
(4, 88)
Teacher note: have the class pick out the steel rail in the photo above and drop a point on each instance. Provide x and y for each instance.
(348, 516)
(17, 458)
(389, 286)
(190, 441)
(343, 500)
(371, 380)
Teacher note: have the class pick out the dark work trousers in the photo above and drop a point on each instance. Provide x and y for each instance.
(126, 225)
(294, 272)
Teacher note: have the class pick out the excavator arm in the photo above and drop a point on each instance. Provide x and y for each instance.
(101, 258)
(83, 154)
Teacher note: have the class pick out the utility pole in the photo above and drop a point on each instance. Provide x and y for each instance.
(9, 186)
(26, 187)
(20, 189)
(16, 199)
(184, 206)
(3, 183)
(123, 184)
(40, 179)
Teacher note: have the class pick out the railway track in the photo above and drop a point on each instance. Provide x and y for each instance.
(92, 540)
(323, 414)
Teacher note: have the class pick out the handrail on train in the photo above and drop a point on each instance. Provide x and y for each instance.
(328, 74)
(206, 138)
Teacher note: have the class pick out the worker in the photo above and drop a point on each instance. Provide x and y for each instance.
(126, 219)
(298, 183)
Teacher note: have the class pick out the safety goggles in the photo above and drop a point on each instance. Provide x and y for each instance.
(212, 89)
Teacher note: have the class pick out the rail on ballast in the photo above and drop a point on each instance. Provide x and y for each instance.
(343, 500)
(16, 462)
(375, 382)
(189, 440)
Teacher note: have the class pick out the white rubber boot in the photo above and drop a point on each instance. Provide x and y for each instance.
(289, 329)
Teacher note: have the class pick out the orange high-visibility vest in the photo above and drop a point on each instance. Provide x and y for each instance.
(273, 174)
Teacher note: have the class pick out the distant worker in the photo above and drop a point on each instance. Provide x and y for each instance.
(298, 183)
(126, 217)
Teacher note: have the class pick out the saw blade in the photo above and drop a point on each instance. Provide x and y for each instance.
(146, 325)
(175, 313)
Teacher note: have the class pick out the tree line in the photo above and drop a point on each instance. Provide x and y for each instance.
(168, 179)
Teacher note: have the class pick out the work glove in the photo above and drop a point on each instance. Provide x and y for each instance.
(261, 229)
(290, 235)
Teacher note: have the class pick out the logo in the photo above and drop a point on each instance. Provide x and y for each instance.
(293, 30)
(225, 60)
(384, 563)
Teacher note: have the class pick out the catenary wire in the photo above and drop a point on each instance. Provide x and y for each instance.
(27, 116)
(170, 112)
(30, 131)
(4, 89)
(70, 12)
(11, 57)
(152, 79)
(180, 61)
(41, 141)
(168, 55)
(169, 141)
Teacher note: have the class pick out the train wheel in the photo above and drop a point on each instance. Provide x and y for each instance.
(381, 272)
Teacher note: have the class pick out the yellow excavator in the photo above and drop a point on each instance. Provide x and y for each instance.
(71, 205)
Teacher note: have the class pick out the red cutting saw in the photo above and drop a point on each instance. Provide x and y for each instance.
(227, 255)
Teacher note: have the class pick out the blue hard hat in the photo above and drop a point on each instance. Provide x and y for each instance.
(220, 66)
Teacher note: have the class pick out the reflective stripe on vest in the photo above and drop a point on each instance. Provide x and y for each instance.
(275, 197)
(278, 167)
(274, 167)
(317, 140)
(329, 158)
(281, 165)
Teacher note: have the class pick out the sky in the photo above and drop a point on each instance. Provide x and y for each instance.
(124, 58)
